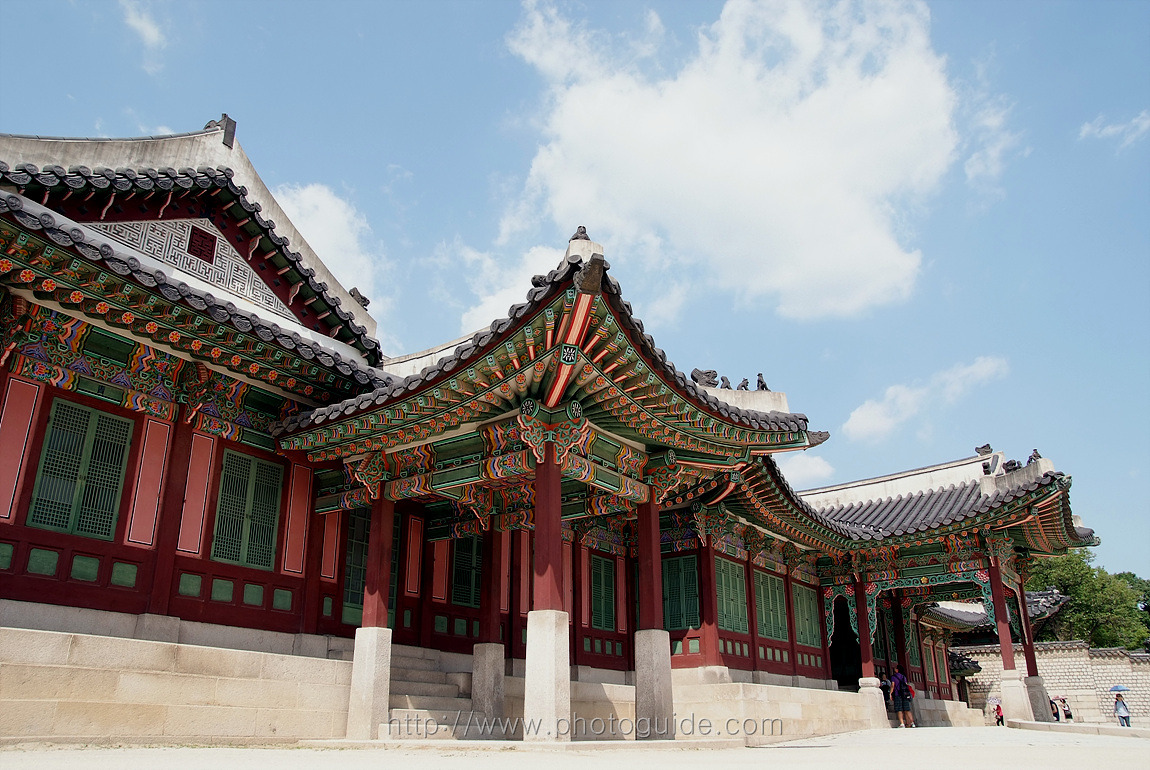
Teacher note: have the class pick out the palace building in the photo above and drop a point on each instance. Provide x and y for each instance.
(202, 447)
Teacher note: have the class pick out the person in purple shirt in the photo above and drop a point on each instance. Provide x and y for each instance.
(902, 697)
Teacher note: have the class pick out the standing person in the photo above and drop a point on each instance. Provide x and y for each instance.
(902, 696)
(1121, 710)
(1055, 711)
(998, 721)
(884, 685)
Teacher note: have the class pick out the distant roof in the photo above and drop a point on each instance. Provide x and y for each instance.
(930, 497)
(1039, 606)
(204, 158)
(962, 665)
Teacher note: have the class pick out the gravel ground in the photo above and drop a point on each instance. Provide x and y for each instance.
(978, 747)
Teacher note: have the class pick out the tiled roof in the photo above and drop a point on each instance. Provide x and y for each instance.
(961, 665)
(544, 290)
(1039, 605)
(928, 509)
(79, 178)
(111, 254)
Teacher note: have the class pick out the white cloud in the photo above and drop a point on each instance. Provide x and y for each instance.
(497, 284)
(139, 19)
(770, 164)
(1130, 132)
(802, 469)
(877, 419)
(341, 237)
(989, 138)
(995, 142)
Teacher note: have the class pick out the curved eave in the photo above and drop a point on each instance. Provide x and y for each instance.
(1050, 529)
(623, 380)
(43, 230)
(758, 492)
(1044, 500)
(262, 238)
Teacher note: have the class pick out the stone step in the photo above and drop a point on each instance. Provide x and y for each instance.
(407, 651)
(417, 675)
(403, 686)
(341, 655)
(430, 702)
(438, 724)
(421, 664)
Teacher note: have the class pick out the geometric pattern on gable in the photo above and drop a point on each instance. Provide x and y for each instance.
(169, 241)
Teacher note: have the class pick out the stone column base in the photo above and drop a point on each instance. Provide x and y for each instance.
(487, 676)
(1015, 698)
(370, 683)
(871, 694)
(547, 683)
(1039, 698)
(654, 702)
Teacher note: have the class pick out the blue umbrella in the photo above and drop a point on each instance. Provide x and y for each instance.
(1119, 688)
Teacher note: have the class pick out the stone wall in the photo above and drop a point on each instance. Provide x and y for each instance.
(763, 714)
(62, 687)
(932, 712)
(165, 628)
(1074, 671)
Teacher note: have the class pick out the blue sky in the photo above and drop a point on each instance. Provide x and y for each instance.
(928, 224)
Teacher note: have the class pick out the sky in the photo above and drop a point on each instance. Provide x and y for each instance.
(927, 223)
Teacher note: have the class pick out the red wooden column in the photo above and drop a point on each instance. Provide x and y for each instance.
(171, 511)
(752, 612)
(548, 568)
(378, 577)
(489, 584)
(1001, 619)
(310, 606)
(899, 620)
(865, 651)
(650, 586)
(708, 608)
(824, 640)
(369, 700)
(1027, 633)
(949, 684)
(789, 600)
(20, 408)
(489, 653)
(547, 680)
(654, 701)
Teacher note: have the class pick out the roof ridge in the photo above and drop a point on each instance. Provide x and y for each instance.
(543, 288)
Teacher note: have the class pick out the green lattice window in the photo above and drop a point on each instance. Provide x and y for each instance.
(928, 658)
(806, 604)
(355, 567)
(602, 593)
(942, 665)
(248, 511)
(680, 593)
(912, 647)
(81, 473)
(466, 569)
(731, 588)
(879, 637)
(771, 606)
